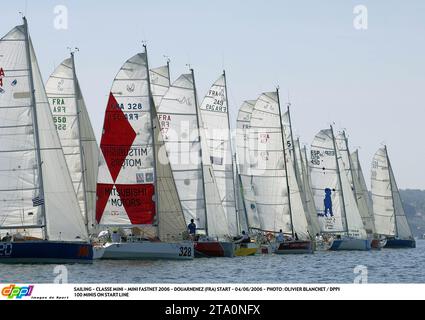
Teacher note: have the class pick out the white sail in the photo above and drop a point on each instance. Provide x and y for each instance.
(76, 134)
(214, 113)
(308, 199)
(325, 184)
(402, 225)
(355, 224)
(382, 195)
(127, 179)
(243, 161)
(18, 164)
(390, 218)
(171, 217)
(362, 194)
(269, 172)
(24, 117)
(177, 115)
(334, 197)
(341, 143)
(160, 83)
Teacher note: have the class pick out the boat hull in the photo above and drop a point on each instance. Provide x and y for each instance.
(295, 247)
(400, 244)
(214, 249)
(148, 251)
(350, 245)
(45, 252)
(246, 249)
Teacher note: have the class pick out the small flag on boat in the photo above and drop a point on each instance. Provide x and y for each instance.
(37, 202)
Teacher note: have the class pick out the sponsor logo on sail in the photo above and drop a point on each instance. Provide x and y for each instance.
(1, 76)
(131, 87)
(60, 84)
(15, 292)
(185, 100)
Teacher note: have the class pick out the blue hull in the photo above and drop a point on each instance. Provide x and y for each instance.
(33, 252)
(351, 245)
(399, 243)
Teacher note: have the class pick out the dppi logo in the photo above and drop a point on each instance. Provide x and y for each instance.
(13, 291)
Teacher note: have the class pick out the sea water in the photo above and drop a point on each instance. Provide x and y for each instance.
(385, 266)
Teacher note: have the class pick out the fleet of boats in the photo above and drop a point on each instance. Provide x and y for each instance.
(165, 159)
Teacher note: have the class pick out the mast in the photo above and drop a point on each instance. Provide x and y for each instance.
(36, 133)
(202, 156)
(307, 174)
(351, 165)
(339, 177)
(240, 191)
(83, 164)
(297, 171)
(169, 73)
(285, 162)
(230, 143)
(152, 115)
(392, 189)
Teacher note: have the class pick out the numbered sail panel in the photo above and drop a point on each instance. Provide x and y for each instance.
(215, 120)
(62, 94)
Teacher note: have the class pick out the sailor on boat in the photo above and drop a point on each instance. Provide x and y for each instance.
(280, 237)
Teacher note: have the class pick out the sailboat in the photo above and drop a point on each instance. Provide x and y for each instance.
(243, 166)
(215, 122)
(137, 197)
(274, 182)
(353, 172)
(294, 150)
(390, 218)
(40, 210)
(190, 163)
(364, 201)
(335, 202)
(76, 135)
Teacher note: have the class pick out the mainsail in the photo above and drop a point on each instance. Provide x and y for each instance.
(214, 112)
(76, 135)
(272, 178)
(335, 203)
(390, 218)
(36, 190)
(244, 164)
(190, 164)
(136, 188)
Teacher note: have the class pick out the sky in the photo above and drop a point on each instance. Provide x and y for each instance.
(370, 82)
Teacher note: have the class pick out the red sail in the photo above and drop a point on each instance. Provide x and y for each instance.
(138, 202)
(117, 138)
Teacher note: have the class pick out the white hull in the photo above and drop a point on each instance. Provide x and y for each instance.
(148, 251)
